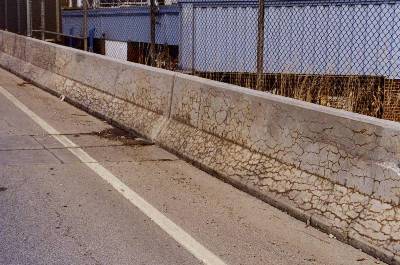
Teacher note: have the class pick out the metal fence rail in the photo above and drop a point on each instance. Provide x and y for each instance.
(338, 53)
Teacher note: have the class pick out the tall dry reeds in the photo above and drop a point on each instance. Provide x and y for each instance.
(360, 94)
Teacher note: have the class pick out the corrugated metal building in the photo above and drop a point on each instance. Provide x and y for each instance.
(125, 31)
(128, 24)
(340, 37)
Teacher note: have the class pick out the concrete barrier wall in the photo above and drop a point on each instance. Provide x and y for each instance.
(337, 170)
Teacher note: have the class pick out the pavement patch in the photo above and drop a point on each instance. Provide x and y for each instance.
(126, 138)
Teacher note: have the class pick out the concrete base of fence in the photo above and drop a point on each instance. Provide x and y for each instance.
(337, 170)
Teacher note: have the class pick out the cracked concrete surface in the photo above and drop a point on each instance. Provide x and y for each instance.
(58, 212)
(339, 170)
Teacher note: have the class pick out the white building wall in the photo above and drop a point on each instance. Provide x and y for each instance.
(116, 49)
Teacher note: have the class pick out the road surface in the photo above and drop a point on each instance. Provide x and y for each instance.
(75, 190)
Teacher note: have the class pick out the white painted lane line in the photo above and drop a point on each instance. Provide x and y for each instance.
(172, 229)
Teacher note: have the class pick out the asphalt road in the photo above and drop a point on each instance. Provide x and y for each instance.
(75, 190)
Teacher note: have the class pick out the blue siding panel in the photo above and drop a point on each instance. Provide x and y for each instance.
(127, 24)
(308, 36)
(358, 37)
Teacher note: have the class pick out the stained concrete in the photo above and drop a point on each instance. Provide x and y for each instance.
(60, 212)
(334, 169)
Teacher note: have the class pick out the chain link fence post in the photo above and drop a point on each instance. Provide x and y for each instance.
(18, 3)
(260, 45)
(152, 32)
(58, 20)
(6, 15)
(85, 25)
(29, 18)
(42, 18)
(193, 24)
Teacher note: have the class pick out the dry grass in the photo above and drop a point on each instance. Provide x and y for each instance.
(360, 94)
(369, 95)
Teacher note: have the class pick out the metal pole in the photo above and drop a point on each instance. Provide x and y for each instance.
(260, 45)
(29, 18)
(6, 15)
(19, 16)
(85, 25)
(42, 18)
(58, 26)
(152, 32)
(193, 50)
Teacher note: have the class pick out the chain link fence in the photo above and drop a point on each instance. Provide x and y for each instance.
(338, 53)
